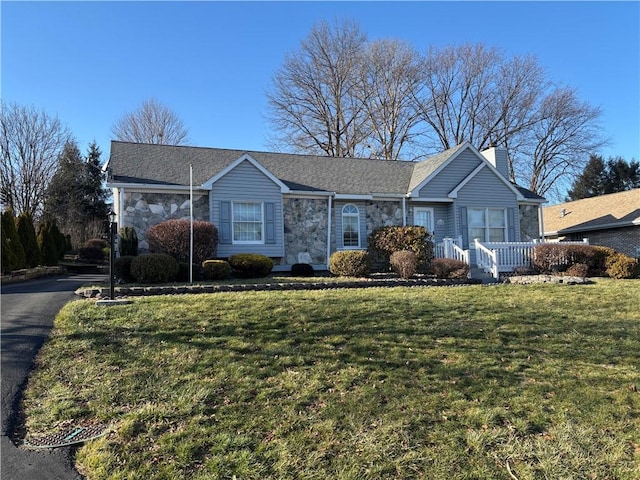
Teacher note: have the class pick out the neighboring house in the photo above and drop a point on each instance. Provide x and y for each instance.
(611, 220)
(302, 208)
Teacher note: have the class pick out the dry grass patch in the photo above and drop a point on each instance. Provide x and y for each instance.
(352, 384)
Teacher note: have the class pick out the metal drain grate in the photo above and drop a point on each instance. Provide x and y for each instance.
(72, 436)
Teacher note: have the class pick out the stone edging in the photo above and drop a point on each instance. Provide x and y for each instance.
(103, 292)
(530, 279)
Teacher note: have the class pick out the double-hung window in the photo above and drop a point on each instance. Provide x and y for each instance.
(350, 226)
(248, 225)
(487, 224)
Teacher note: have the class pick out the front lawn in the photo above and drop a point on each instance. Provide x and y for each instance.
(501, 382)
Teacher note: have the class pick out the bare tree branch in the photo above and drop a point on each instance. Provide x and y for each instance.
(30, 142)
(152, 122)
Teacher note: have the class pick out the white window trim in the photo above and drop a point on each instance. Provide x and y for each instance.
(350, 215)
(430, 228)
(233, 224)
(487, 227)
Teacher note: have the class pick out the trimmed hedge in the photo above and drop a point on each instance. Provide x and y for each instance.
(350, 263)
(404, 263)
(216, 269)
(384, 241)
(154, 268)
(250, 265)
(122, 268)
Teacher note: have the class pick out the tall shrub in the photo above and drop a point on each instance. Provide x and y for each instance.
(28, 239)
(51, 242)
(172, 237)
(128, 241)
(15, 252)
(384, 241)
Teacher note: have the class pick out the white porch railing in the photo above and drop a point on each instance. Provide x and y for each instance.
(497, 257)
(450, 248)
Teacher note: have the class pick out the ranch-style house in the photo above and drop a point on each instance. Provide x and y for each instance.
(302, 208)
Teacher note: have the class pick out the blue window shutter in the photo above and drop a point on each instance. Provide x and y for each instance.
(269, 223)
(511, 225)
(225, 222)
(464, 227)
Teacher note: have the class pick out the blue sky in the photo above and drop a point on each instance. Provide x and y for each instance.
(212, 62)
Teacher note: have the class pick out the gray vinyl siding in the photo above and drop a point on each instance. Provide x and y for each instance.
(486, 190)
(337, 215)
(247, 183)
(451, 176)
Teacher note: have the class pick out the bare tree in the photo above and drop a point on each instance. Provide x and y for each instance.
(315, 104)
(30, 143)
(472, 93)
(152, 122)
(559, 143)
(390, 76)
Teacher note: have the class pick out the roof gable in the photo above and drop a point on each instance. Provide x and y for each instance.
(245, 158)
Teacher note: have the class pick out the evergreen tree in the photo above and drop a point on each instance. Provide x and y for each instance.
(622, 176)
(76, 197)
(95, 195)
(591, 182)
(600, 177)
(14, 256)
(27, 234)
(48, 241)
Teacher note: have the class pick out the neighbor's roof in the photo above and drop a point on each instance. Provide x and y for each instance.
(596, 213)
(169, 165)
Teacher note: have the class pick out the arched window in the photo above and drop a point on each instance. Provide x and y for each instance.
(350, 226)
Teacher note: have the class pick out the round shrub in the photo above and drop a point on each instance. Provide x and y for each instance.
(93, 250)
(578, 270)
(404, 263)
(250, 265)
(384, 241)
(302, 270)
(621, 266)
(449, 268)
(154, 268)
(350, 263)
(122, 268)
(216, 269)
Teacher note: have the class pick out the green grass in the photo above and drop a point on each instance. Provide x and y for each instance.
(455, 383)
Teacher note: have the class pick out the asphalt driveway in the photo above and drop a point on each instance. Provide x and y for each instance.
(28, 311)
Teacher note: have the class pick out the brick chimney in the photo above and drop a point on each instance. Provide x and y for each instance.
(498, 157)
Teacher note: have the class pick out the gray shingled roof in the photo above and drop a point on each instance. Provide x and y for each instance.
(169, 165)
(165, 164)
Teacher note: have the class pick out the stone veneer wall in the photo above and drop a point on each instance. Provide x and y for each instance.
(529, 223)
(305, 231)
(383, 214)
(143, 210)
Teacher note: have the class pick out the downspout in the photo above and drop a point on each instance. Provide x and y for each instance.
(329, 218)
(541, 219)
(404, 211)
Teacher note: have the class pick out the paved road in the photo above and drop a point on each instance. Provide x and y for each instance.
(28, 310)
